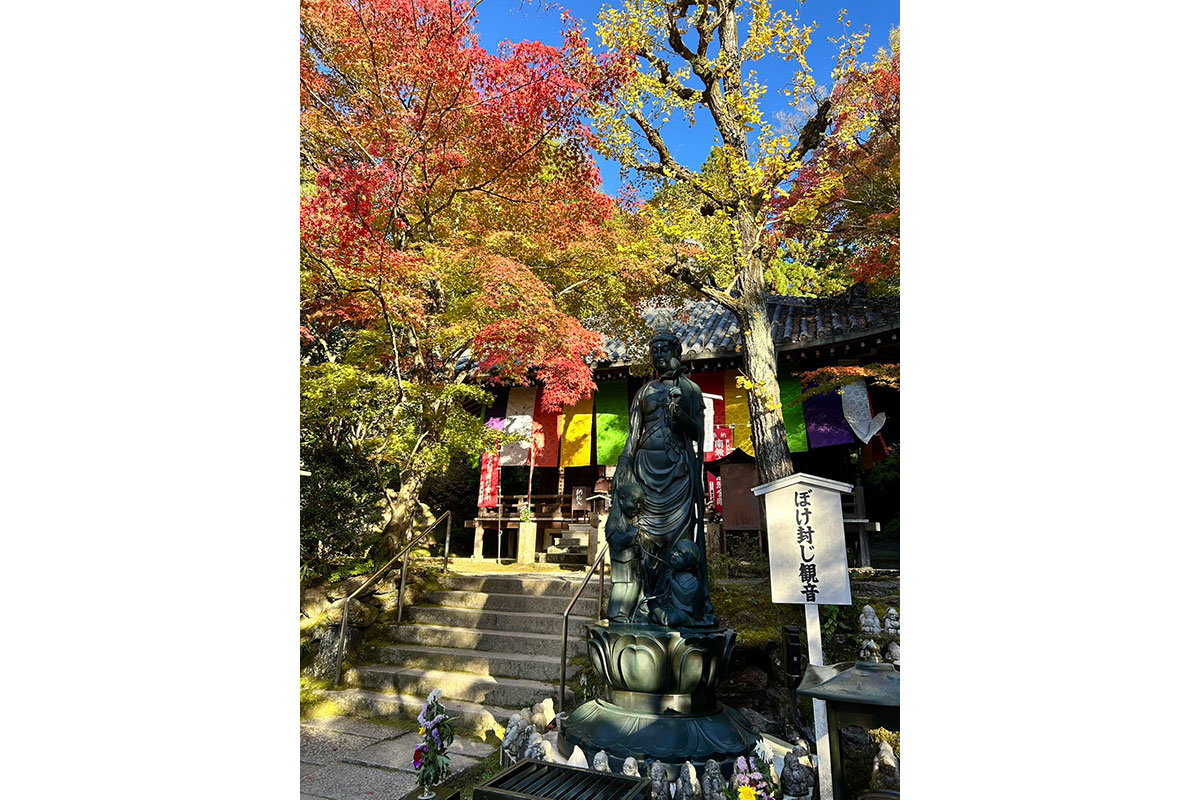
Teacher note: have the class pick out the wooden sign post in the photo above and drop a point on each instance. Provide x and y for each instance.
(808, 565)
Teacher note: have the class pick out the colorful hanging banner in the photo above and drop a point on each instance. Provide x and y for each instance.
(714, 492)
(856, 408)
(612, 421)
(737, 413)
(489, 480)
(577, 434)
(519, 422)
(713, 383)
(790, 390)
(706, 446)
(722, 443)
(547, 430)
(824, 421)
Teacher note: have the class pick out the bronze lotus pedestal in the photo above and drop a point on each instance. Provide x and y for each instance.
(660, 703)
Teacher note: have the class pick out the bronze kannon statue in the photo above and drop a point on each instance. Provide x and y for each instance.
(656, 527)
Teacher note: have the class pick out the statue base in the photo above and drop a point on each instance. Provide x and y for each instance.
(660, 703)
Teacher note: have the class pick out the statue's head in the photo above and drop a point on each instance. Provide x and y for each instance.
(685, 556)
(666, 351)
(631, 497)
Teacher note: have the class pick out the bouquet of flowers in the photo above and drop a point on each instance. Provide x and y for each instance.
(750, 782)
(430, 759)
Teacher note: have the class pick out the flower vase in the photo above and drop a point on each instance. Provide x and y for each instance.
(427, 793)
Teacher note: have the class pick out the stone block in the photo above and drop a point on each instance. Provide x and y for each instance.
(526, 542)
(354, 782)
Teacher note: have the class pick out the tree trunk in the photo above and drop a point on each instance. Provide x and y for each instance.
(758, 354)
(402, 510)
(766, 416)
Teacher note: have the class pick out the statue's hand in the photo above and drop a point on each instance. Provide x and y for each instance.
(674, 395)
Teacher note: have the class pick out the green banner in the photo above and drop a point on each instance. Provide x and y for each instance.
(612, 421)
(793, 413)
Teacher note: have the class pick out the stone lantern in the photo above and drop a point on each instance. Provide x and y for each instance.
(862, 693)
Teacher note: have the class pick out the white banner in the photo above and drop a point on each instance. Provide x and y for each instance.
(856, 408)
(519, 420)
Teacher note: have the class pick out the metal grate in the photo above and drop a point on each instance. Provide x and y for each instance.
(539, 780)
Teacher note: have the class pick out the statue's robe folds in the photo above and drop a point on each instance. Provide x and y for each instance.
(661, 454)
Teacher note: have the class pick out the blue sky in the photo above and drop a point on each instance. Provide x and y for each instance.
(514, 20)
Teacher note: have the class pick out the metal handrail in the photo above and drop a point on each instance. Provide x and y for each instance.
(337, 673)
(562, 665)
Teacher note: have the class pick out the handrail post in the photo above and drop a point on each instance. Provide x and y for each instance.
(562, 663)
(400, 596)
(341, 644)
(446, 549)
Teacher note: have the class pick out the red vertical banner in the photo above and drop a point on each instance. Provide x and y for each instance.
(714, 492)
(489, 480)
(722, 443)
(547, 428)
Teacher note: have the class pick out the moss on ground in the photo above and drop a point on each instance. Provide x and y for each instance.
(312, 705)
(487, 768)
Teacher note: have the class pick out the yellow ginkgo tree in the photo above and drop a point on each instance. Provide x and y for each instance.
(722, 223)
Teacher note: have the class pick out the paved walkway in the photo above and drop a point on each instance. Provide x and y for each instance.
(350, 759)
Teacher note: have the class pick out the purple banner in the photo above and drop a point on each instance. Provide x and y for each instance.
(825, 422)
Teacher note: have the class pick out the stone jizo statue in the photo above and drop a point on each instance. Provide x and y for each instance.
(660, 785)
(891, 622)
(687, 785)
(893, 653)
(885, 772)
(535, 747)
(600, 762)
(797, 779)
(630, 767)
(712, 785)
(868, 622)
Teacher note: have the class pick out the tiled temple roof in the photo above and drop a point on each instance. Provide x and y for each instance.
(709, 330)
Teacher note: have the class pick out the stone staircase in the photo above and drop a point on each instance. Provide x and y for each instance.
(570, 550)
(491, 643)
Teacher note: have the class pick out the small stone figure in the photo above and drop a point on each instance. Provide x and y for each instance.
(891, 622)
(682, 604)
(687, 785)
(513, 734)
(600, 762)
(535, 747)
(712, 785)
(801, 750)
(578, 758)
(885, 772)
(630, 767)
(893, 653)
(869, 652)
(547, 709)
(622, 534)
(797, 778)
(660, 785)
(868, 622)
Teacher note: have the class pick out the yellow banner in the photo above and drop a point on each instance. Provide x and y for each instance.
(577, 434)
(737, 413)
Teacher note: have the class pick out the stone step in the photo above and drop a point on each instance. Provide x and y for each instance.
(511, 693)
(513, 584)
(487, 641)
(570, 549)
(580, 527)
(510, 664)
(584, 606)
(496, 620)
(568, 559)
(474, 720)
(572, 539)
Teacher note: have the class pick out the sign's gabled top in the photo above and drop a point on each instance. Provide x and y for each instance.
(810, 480)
